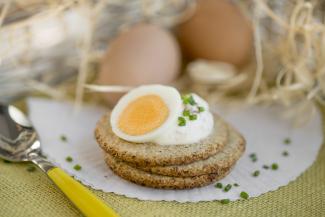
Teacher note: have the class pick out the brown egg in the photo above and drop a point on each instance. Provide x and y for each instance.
(217, 31)
(144, 54)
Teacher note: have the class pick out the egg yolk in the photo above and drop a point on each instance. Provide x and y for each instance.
(143, 115)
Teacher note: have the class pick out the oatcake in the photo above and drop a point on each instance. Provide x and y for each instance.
(223, 159)
(150, 154)
(143, 178)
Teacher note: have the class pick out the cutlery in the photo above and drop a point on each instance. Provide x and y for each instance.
(19, 142)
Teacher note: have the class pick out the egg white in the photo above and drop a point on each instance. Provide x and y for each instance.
(169, 95)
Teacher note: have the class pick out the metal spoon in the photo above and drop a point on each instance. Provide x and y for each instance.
(19, 142)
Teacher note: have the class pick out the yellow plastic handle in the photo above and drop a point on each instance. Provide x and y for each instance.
(83, 199)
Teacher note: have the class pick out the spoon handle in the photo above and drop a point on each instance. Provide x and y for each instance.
(81, 197)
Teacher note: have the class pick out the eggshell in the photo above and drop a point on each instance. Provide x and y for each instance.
(144, 54)
(217, 31)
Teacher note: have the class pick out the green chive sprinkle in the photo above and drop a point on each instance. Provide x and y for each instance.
(244, 195)
(201, 109)
(285, 153)
(224, 201)
(69, 159)
(227, 188)
(184, 99)
(63, 138)
(252, 155)
(186, 112)
(274, 166)
(266, 167)
(256, 173)
(287, 141)
(181, 121)
(6, 161)
(188, 99)
(193, 117)
(31, 169)
(218, 185)
(191, 100)
(77, 167)
(236, 184)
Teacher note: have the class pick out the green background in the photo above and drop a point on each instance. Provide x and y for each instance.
(25, 194)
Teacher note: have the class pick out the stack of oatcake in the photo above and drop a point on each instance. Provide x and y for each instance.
(174, 166)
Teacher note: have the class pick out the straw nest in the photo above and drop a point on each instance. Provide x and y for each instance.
(289, 57)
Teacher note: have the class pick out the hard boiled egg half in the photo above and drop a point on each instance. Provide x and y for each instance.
(146, 112)
(152, 113)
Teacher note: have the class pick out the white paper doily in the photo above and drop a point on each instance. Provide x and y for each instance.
(262, 128)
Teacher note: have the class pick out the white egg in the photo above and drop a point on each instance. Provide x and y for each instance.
(146, 112)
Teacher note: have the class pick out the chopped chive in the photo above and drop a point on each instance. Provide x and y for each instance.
(236, 184)
(188, 99)
(182, 124)
(181, 121)
(285, 153)
(31, 169)
(6, 161)
(77, 167)
(244, 195)
(224, 201)
(287, 141)
(274, 166)
(266, 167)
(69, 159)
(193, 117)
(201, 109)
(191, 100)
(256, 173)
(227, 188)
(186, 112)
(185, 99)
(252, 155)
(63, 138)
(218, 185)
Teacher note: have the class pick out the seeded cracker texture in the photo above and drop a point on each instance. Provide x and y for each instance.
(151, 154)
(143, 178)
(218, 162)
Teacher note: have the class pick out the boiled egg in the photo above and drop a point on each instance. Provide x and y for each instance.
(146, 112)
